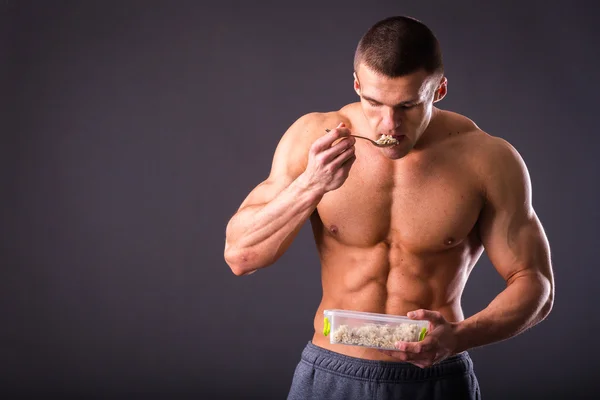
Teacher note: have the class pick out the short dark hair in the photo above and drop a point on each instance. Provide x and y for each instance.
(398, 46)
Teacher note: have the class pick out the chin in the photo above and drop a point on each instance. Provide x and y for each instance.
(396, 152)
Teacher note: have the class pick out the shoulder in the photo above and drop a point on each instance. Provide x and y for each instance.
(504, 174)
(312, 125)
(496, 157)
(497, 164)
(500, 168)
(294, 144)
(309, 126)
(486, 150)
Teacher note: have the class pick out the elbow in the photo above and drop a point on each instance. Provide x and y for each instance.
(242, 261)
(548, 303)
(546, 309)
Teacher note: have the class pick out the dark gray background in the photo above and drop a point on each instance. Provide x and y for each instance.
(131, 132)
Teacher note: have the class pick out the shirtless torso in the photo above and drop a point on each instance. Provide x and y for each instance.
(401, 229)
(400, 235)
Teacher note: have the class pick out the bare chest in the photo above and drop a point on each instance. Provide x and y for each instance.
(427, 206)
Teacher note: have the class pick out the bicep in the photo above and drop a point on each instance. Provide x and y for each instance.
(510, 230)
(515, 243)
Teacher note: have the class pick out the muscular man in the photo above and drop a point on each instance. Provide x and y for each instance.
(399, 229)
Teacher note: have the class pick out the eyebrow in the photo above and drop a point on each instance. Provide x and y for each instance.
(403, 103)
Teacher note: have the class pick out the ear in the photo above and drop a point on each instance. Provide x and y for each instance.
(356, 84)
(441, 90)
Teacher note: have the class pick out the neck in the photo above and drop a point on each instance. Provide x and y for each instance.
(431, 129)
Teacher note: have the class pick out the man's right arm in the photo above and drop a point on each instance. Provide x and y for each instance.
(273, 213)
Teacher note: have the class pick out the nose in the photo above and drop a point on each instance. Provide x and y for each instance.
(391, 120)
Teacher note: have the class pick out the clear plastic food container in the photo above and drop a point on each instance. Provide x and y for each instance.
(380, 331)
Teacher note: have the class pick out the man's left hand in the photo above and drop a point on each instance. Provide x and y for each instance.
(440, 342)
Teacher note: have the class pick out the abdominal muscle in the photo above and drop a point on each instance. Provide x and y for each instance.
(387, 279)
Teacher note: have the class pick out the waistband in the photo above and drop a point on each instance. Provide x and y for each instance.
(382, 371)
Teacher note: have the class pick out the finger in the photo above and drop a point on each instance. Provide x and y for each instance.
(420, 360)
(330, 137)
(386, 352)
(341, 159)
(337, 150)
(348, 163)
(422, 314)
(344, 170)
(419, 364)
(399, 355)
(326, 141)
(421, 347)
(340, 125)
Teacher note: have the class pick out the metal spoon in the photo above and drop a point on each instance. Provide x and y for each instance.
(373, 142)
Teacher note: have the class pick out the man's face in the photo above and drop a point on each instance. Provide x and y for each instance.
(400, 107)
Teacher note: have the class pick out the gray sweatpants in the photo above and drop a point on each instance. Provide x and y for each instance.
(325, 375)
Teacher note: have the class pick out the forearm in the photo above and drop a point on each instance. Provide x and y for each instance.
(258, 235)
(526, 301)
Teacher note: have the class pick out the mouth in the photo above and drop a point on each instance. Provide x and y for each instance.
(395, 135)
(398, 138)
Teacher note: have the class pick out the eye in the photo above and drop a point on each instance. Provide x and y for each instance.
(407, 106)
(374, 104)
